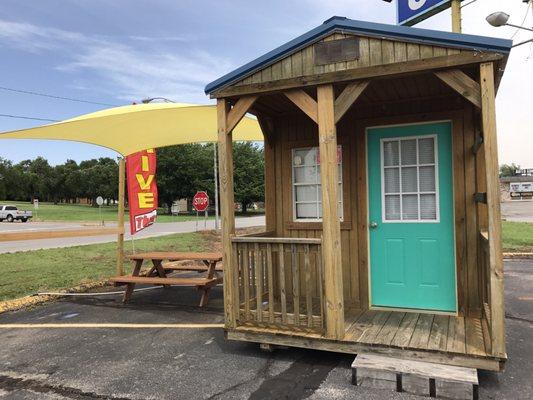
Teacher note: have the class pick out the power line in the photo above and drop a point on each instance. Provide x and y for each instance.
(523, 21)
(24, 117)
(56, 97)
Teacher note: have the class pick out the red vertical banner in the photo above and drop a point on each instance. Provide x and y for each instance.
(142, 189)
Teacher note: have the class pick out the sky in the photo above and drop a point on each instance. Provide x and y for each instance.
(119, 51)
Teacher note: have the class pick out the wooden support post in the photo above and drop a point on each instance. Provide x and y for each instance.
(462, 84)
(456, 16)
(493, 205)
(331, 239)
(225, 160)
(120, 219)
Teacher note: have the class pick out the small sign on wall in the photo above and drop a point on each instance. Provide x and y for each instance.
(339, 50)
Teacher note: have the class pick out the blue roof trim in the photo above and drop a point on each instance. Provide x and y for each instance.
(439, 38)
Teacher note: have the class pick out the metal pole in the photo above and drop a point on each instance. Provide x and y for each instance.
(215, 170)
(456, 16)
(120, 222)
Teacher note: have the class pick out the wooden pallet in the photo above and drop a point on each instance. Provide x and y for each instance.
(415, 377)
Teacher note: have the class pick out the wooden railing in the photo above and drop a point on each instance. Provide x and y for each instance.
(279, 283)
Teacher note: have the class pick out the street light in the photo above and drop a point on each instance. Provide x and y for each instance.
(500, 18)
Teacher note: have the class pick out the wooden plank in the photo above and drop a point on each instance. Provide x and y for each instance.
(238, 111)
(379, 320)
(120, 216)
(361, 325)
(258, 281)
(295, 285)
(438, 337)
(177, 256)
(387, 70)
(283, 295)
(273, 240)
(362, 215)
(456, 342)
(270, 280)
(36, 235)
(422, 331)
(493, 205)
(390, 328)
(267, 126)
(475, 344)
(308, 287)
(246, 279)
(331, 240)
(405, 331)
(348, 96)
(462, 84)
(227, 209)
(164, 281)
(304, 102)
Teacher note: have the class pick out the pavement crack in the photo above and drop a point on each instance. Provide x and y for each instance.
(262, 373)
(11, 384)
(515, 318)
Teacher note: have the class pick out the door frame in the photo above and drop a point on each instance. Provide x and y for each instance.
(369, 268)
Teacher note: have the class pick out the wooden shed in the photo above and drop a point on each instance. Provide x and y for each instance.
(382, 195)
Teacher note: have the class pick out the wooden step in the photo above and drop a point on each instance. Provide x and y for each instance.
(165, 281)
(415, 377)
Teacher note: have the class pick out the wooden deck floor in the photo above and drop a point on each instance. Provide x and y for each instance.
(417, 331)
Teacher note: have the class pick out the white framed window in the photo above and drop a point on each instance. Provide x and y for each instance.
(306, 184)
(409, 179)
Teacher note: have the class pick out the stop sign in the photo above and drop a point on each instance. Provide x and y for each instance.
(200, 201)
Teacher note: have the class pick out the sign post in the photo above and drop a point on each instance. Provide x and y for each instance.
(411, 12)
(35, 206)
(200, 202)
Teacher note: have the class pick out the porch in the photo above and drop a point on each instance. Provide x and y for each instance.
(280, 301)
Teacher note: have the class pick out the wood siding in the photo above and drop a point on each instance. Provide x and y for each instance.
(373, 51)
(297, 130)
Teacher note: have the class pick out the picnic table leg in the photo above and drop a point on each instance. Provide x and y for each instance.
(131, 286)
(158, 266)
(206, 289)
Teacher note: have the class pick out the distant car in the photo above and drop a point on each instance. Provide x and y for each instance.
(12, 213)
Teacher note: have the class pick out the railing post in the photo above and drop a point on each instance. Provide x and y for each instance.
(120, 217)
(331, 244)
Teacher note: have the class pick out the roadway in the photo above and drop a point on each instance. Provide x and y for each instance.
(158, 229)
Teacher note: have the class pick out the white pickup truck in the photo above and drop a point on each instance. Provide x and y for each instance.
(11, 213)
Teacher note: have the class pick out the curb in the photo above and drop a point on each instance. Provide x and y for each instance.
(517, 255)
(27, 301)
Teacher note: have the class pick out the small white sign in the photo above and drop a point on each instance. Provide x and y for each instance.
(99, 200)
(35, 204)
(521, 187)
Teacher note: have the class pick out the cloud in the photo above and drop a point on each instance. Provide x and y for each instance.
(132, 68)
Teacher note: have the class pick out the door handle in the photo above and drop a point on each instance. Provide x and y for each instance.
(373, 225)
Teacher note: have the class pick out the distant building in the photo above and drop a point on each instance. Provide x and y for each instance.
(517, 187)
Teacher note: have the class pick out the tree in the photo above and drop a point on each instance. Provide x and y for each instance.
(249, 179)
(508, 169)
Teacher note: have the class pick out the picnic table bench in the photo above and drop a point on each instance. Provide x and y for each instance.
(157, 275)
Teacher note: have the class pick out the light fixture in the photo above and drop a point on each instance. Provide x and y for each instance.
(498, 19)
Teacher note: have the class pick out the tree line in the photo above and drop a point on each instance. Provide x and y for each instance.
(181, 171)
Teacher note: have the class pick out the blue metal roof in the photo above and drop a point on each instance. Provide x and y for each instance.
(426, 36)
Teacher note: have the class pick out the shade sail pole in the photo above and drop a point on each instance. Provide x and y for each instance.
(215, 174)
(120, 219)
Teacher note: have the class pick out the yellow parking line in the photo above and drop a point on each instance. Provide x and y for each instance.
(112, 325)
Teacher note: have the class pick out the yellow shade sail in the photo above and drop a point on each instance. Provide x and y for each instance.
(129, 129)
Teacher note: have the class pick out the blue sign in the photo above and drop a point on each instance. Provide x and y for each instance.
(411, 12)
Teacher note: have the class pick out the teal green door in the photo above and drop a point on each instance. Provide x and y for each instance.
(411, 222)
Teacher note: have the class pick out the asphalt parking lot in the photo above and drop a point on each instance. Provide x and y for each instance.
(198, 363)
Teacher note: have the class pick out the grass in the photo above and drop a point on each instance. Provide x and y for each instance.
(83, 212)
(517, 236)
(29, 272)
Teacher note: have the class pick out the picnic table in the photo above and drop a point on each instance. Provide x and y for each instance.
(157, 275)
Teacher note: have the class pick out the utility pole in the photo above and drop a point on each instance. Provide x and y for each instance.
(456, 16)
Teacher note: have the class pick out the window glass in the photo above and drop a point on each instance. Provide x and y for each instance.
(410, 179)
(307, 189)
